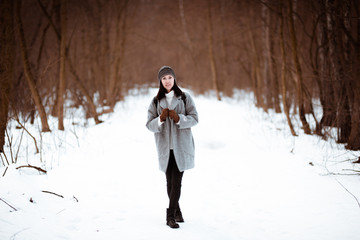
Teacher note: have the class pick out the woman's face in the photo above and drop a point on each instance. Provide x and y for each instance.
(168, 82)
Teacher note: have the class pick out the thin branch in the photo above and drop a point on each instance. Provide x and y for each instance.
(10, 147)
(340, 174)
(77, 200)
(351, 170)
(17, 152)
(58, 195)
(5, 159)
(8, 204)
(5, 171)
(30, 166)
(349, 192)
(49, 18)
(37, 149)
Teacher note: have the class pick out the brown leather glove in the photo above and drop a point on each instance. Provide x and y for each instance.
(174, 116)
(164, 114)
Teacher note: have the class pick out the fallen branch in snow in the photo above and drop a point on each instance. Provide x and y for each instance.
(349, 192)
(8, 204)
(30, 166)
(5, 171)
(340, 174)
(352, 170)
(330, 173)
(77, 200)
(53, 194)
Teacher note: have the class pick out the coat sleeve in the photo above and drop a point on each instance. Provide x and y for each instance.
(191, 117)
(153, 119)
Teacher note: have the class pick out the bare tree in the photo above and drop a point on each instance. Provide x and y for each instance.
(283, 70)
(27, 70)
(72, 70)
(256, 75)
(189, 43)
(354, 139)
(274, 82)
(119, 50)
(265, 21)
(62, 80)
(337, 71)
(298, 72)
(211, 52)
(6, 63)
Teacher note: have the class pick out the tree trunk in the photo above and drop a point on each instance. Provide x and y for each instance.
(266, 55)
(188, 41)
(90, 101)
(354, 138)
(298, 78)
(7, 49)
(28, 75)
(62, 80)
(347, 91)
(337, 72)
(224, 56)
(73, 71)
(283, 71)
(256, 76)
(273, 76)
(326, 89)
(211, 53)
(115, 83)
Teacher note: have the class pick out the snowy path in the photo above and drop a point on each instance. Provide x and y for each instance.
(250, 182)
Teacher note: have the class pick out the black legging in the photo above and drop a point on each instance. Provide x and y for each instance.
(173, 179)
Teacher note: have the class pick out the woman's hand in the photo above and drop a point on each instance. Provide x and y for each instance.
(173, 115)
(164, 114)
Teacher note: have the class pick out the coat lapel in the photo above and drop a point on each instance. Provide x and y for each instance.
(163, 103)
(174, 102)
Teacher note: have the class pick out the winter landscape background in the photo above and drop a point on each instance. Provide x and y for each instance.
(252, 179)
(276, 84)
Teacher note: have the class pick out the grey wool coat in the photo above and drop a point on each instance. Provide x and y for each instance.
(182, 138)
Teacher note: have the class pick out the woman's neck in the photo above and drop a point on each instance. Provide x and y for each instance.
(169, 94)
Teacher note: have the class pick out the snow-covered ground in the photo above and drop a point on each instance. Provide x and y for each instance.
(252, 180)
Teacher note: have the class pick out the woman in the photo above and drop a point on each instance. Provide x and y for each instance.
(171, 115)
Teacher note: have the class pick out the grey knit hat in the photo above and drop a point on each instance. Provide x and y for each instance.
(165, 70)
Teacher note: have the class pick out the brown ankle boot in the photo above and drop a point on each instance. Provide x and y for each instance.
(170, 218)
(178, 216)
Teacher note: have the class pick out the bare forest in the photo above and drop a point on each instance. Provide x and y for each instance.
(295, 56)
